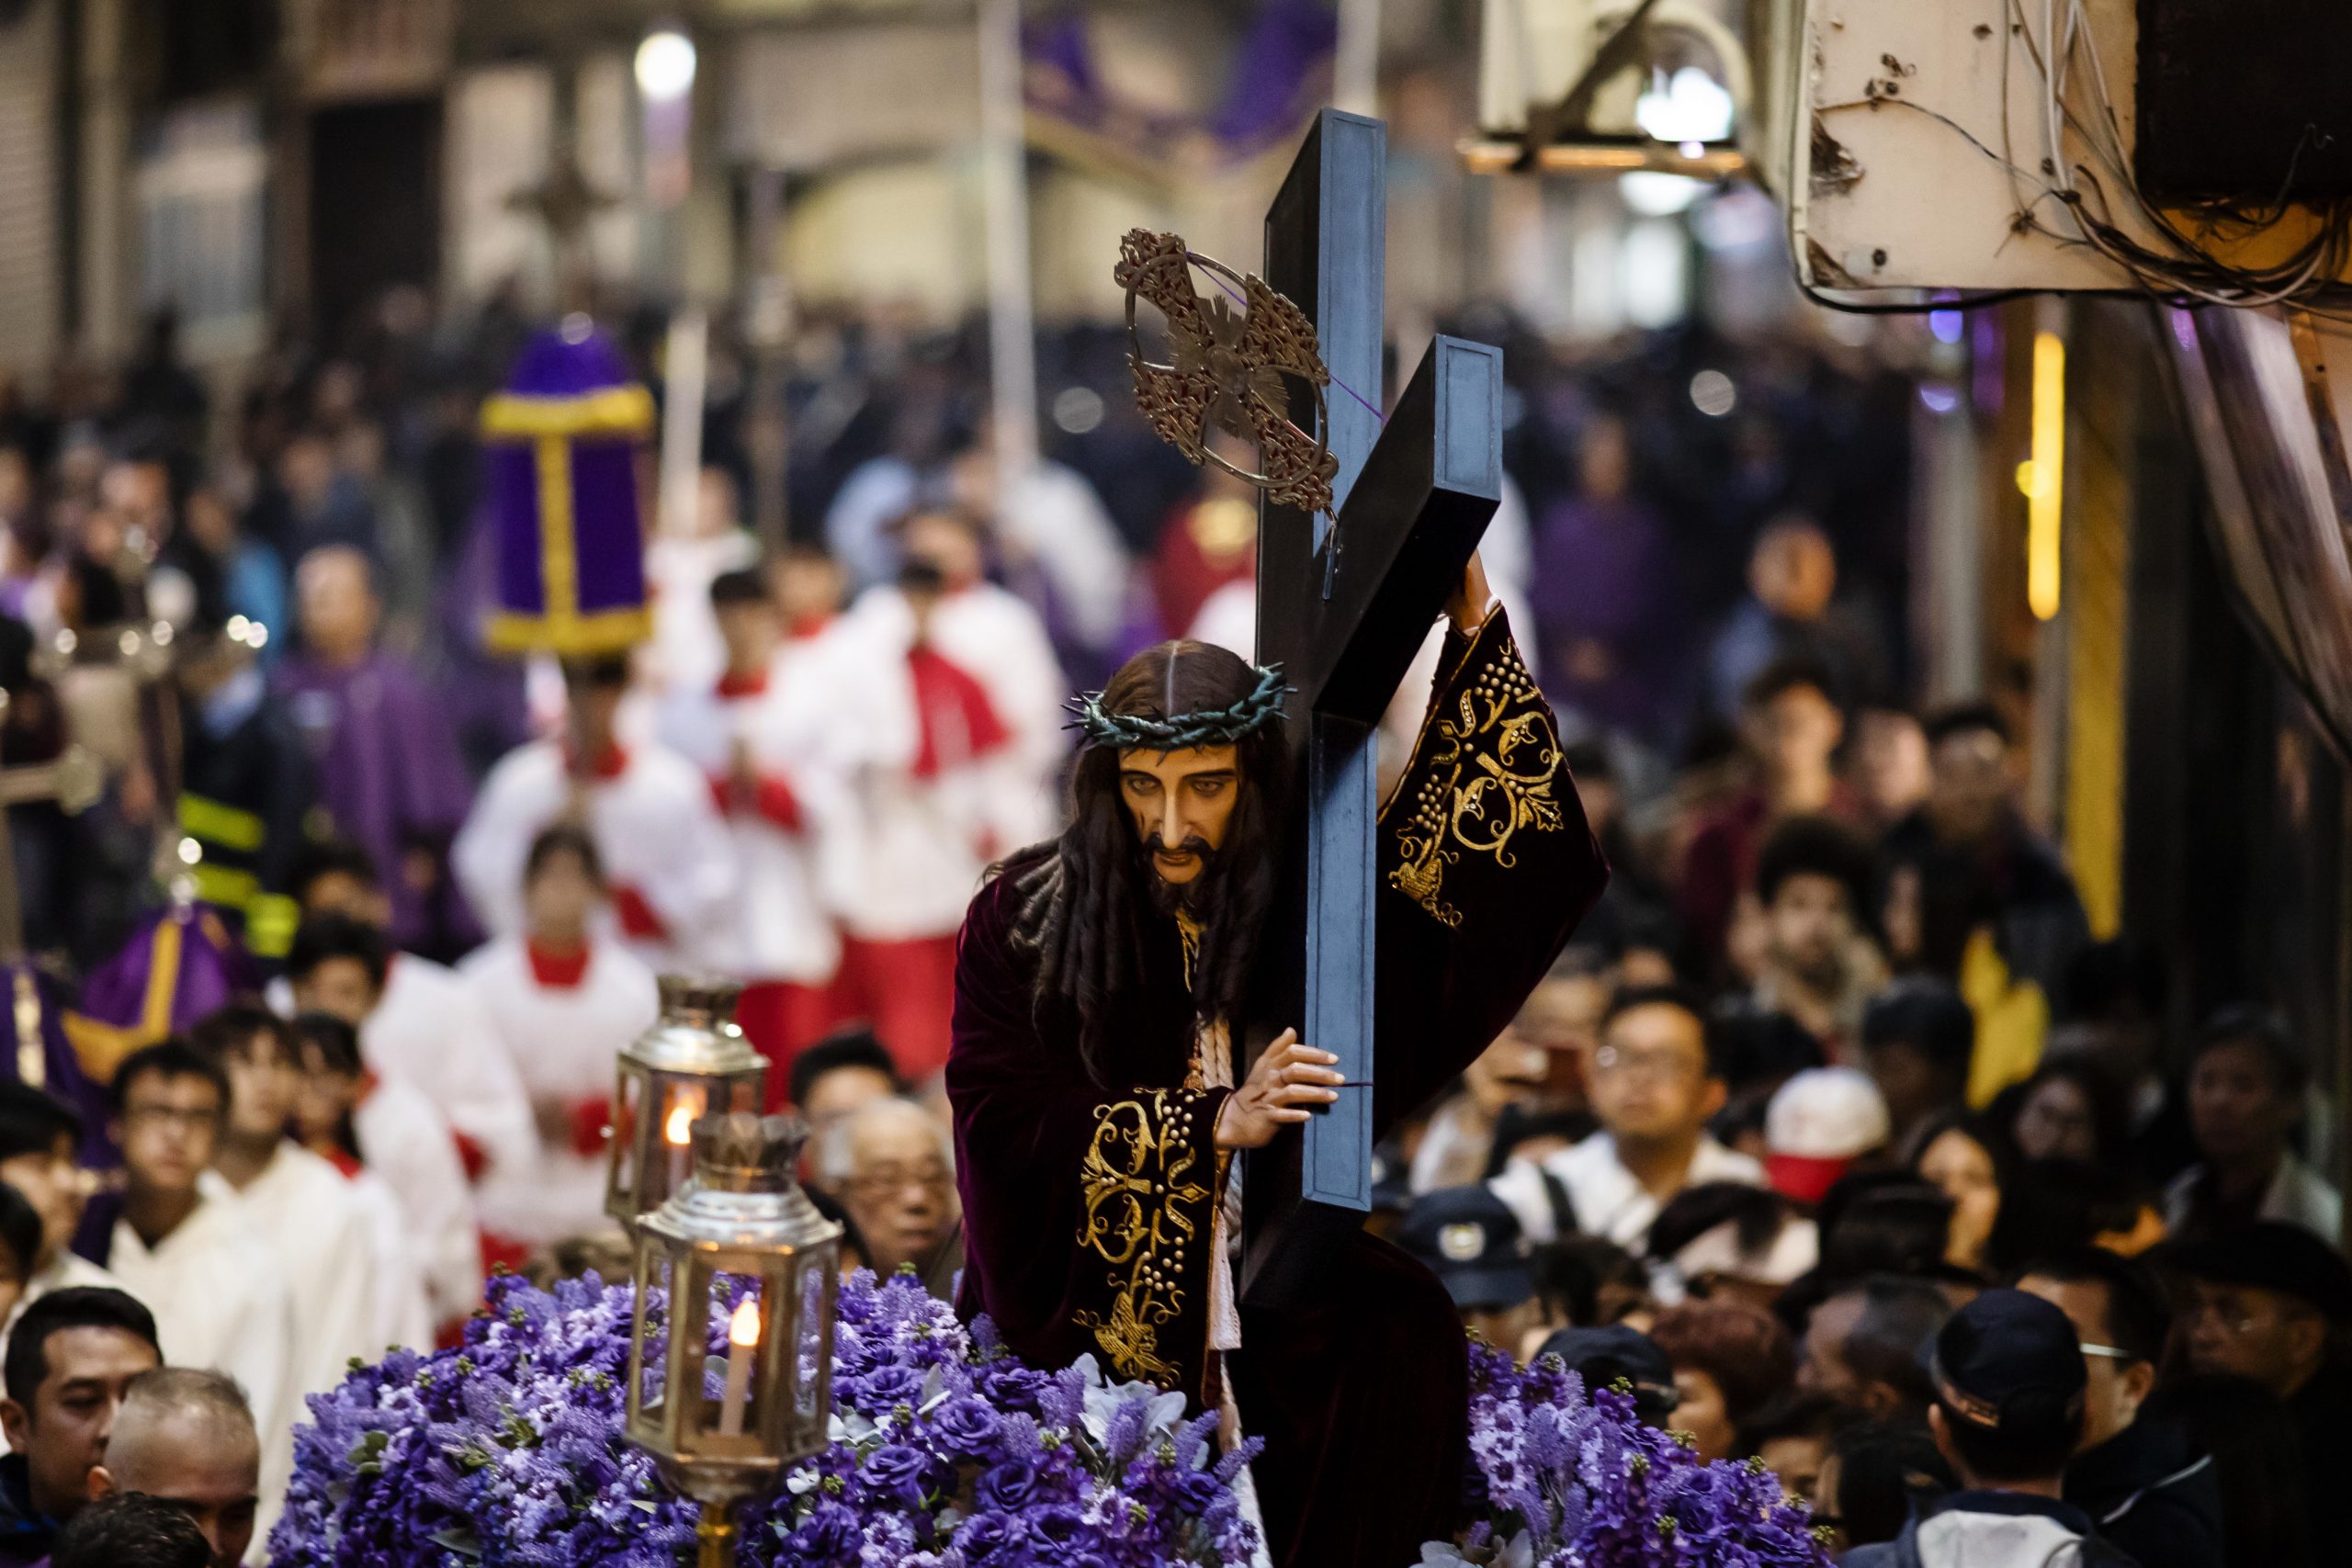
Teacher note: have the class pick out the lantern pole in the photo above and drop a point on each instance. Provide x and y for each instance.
(715, 1535)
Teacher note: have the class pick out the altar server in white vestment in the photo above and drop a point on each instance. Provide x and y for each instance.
(426, 1027)
(565, 1000)
(296, 1202)
(757, 733)
(327, 1119)
(337, 966)
(949, 735)
(195, 1256)
(665, 850)
(39, 1135)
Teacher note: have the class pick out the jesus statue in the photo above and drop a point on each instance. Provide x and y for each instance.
(1099, 1100)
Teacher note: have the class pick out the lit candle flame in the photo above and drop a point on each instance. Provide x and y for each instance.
(743, 1328)
(680, 1128)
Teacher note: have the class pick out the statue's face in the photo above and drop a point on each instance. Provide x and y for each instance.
(1182, 802)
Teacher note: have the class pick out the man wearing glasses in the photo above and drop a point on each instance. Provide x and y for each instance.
(2270, 1301)
(2140, 1478)
(1655, 1083)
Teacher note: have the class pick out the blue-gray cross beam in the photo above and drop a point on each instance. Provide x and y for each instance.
(1345, 608)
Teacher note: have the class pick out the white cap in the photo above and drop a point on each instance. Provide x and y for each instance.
(1827, 1113)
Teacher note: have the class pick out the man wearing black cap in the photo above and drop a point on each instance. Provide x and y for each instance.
(2008, 1412)
(1620, 1353)
(2267, 1302)
(1470, 1240)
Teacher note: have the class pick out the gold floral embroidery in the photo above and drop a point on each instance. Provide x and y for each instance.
(1489, 774)
(1141, 1193)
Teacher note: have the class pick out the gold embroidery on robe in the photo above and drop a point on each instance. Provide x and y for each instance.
(1144, 1210)
(1492, 763)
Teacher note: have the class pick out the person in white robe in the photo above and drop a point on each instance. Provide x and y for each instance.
(337, 967)
(296, 1201)
(664, 847)
(680, 565)
(565, 1000)
(948, 735)
(191, 1252)
(425, 1027)
(39, 1137)
(334, 1082)
(757, 733)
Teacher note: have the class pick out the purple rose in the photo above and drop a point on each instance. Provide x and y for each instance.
(896, 1471)
(991, 1538)
(1009, 1385)
(1008, 1485)
(888, 1385)
(966, 1424)
(829, 1531)
(1058, 1525)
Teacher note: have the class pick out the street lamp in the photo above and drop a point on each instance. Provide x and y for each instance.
(732, 1344)
(694, 1062)
(665, 64)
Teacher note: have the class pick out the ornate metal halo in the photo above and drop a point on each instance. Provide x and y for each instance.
(1227, 369)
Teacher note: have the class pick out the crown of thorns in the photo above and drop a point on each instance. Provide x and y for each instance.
(1205, 727)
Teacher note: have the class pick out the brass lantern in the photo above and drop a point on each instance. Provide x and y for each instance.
(693, 1063)
(734, 1383)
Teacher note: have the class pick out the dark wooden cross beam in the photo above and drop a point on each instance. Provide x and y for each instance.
(1345, 609)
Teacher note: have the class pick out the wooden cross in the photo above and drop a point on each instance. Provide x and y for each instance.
(1344, 608)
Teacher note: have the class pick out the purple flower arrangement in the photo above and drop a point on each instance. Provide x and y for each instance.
(947, 1452)
(1562, 1478)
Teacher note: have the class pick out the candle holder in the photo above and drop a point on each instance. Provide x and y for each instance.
(741, 1241)
(693, 1063)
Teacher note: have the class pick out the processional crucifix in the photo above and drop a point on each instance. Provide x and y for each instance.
(1364, 528)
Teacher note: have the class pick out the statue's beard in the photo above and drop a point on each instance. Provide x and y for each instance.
(1193, 898)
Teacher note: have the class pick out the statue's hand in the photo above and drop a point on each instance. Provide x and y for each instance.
(1289, 1077)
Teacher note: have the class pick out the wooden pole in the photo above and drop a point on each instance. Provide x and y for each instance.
(715, 1536)
(1005, 197)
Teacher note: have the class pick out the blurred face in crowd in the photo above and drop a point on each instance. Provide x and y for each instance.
(1890, 766)
(1962, 1169)
(807, 586)
(1797, 1460)
(945, 542)
(340, 893)
(2118, 1387)
(1909, 1081)
(1562, 1018)
(593, 706)
(1183, 803)
(1700, 1410)
(265, 1082)
(1795, 731)
(2238, 1111)
(63, 1433)
(2056, 1121)
(561, 898)
(306, 470)
(1969, 795)
(57, 1188)
(837, 1094)
(322, 1099)
(899, 1189)
(1650, 1079)
(1811, 924)
(209, 1467)
(2246, 1331)
(1605, 461)
(1511, 1071)
(338, 606)
(169, 1130)
(750, 633)
(208, 521)
(1793, 571)
(1821, 1362)
(341, 987)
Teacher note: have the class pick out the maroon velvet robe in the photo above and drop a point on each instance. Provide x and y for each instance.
(1089, 1213)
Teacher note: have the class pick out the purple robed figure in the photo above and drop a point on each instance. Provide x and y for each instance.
(182, 964)
(389, 773)
(32, 997)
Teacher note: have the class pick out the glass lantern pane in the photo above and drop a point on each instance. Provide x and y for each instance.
(811, 1377)
(733, 1386)
(627, 1098)
(648, 1355)
(743, 1092)
(691, 1361)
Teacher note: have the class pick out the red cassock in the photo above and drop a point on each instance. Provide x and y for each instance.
(1089, 1210)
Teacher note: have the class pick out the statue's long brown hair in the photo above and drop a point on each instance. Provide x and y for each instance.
(1087, 906)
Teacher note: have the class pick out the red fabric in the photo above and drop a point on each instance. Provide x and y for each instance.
(906, 990)
(782, 1019)
(471, 1154)
(959, 723)
(346, 1162)
(558, 971)
(637, 917)
(500, 1255)
(610, 764)
(733, 687)
(592, 1124)
(1192, 563)
(773, 798)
